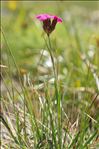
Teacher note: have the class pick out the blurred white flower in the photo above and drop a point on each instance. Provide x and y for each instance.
(91, 51)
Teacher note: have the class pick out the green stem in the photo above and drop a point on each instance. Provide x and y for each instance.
(56, 93)
(52, 58)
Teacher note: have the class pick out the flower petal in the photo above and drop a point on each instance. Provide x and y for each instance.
(58, 19)
(43, 17)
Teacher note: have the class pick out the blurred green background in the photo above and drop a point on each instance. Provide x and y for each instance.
(78, 33)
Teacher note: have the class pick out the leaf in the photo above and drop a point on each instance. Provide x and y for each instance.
(90, 139)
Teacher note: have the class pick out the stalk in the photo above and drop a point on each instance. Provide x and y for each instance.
(58, 99)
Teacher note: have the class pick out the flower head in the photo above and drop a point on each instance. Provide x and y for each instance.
(49, 22)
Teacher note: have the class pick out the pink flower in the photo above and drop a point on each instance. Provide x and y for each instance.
(49, 22)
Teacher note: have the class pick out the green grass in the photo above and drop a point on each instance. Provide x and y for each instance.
(50, 87)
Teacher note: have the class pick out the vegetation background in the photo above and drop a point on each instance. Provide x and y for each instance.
(30, 116)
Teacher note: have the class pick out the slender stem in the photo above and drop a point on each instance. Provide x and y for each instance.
(54, 70)
(56, 93)
(52, 58)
